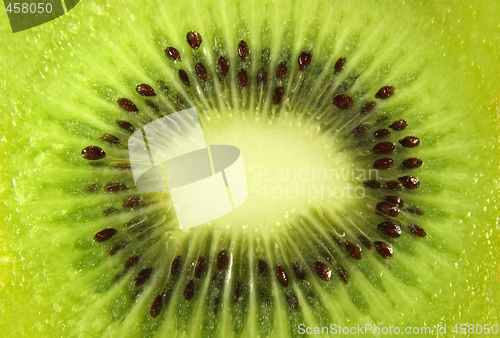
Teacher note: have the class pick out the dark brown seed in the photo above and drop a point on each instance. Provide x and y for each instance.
(299, 272)
(383, 249)
(216, 305)
(143, 276)
(194, 39)
(262, 265)
(199, 268)
(360, 130)
(145, 90)
(304, 59)
(108, 211)
(281, 71)
(343, 101)
(152, 105)
(381, 133)
(156, 306)
(339, 65)
(365, 241)
(243, 50)
(184, 77)
(176, 265)
(322, 270)
(394, 185)
(242, 78)
(125, 125)
(223, 66)
(261, 77)
(390, 229)
(292, 301)
(399, 125)
(409, 182)
(117, 247)
(416, 211)
(222, 260)
(110, 139)
(201, 71)
(131, 261)
(281, 274)
(395, 200)
(105, 234)
(410, 142)
(238, 292)
(131, 202)
(173, 54)
(412, 163)
(367, 107)
(127, 105)
(353, 250)
(418, 231)
(93, 153)
(383, 163)
(278, 95)
(384, 148)
(385, 92)
(189, 290)
(372, 184)
(388, 208)
(115, 187)
(343, 274)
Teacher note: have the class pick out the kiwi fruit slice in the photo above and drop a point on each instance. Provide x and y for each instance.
(369, 137)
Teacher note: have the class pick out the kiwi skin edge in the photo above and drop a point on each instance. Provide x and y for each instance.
(31, 281)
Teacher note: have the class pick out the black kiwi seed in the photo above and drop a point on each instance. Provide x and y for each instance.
(365, 241)
(383, 249)
(385, 92)
(156, 306)
(367, 107)
(418, 231)
(115, 187)
(261, 77)
(93, 153)
(278, 95)
(416, 211)
(410, 142)
(242, 78)
(143, 276)
(384, 148)
(108, 211)
(360, 130)
(399, 125)
(238, 292)
(390, 229)
(304, 59)
(409, 182)
(201, 71)
(395, 200)
(353, 250)
(343, 274)
(372, 184)
(125, 125)
(145, 90)
(127, 105)
(176, 265)
(299, 272)
(394, 185)
(383, 163)
(262, 266)
(381, 133)
(412, 163)
(194, 39)
(110, 139)
(339, 65)
(281, 274)
(281, 71)
(343, 101)
(105, 234)
(199, 268)
(222, 260)
(173, 54)
(92, 187)
(152, 105)
(322, 270)
(243, 50)
(189, 290)
(131, 202)
(223, 65)
(117, 247)
(184, 77)
(387, 208)
(131, 261)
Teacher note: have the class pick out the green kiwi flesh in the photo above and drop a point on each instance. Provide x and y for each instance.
(84, 253)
